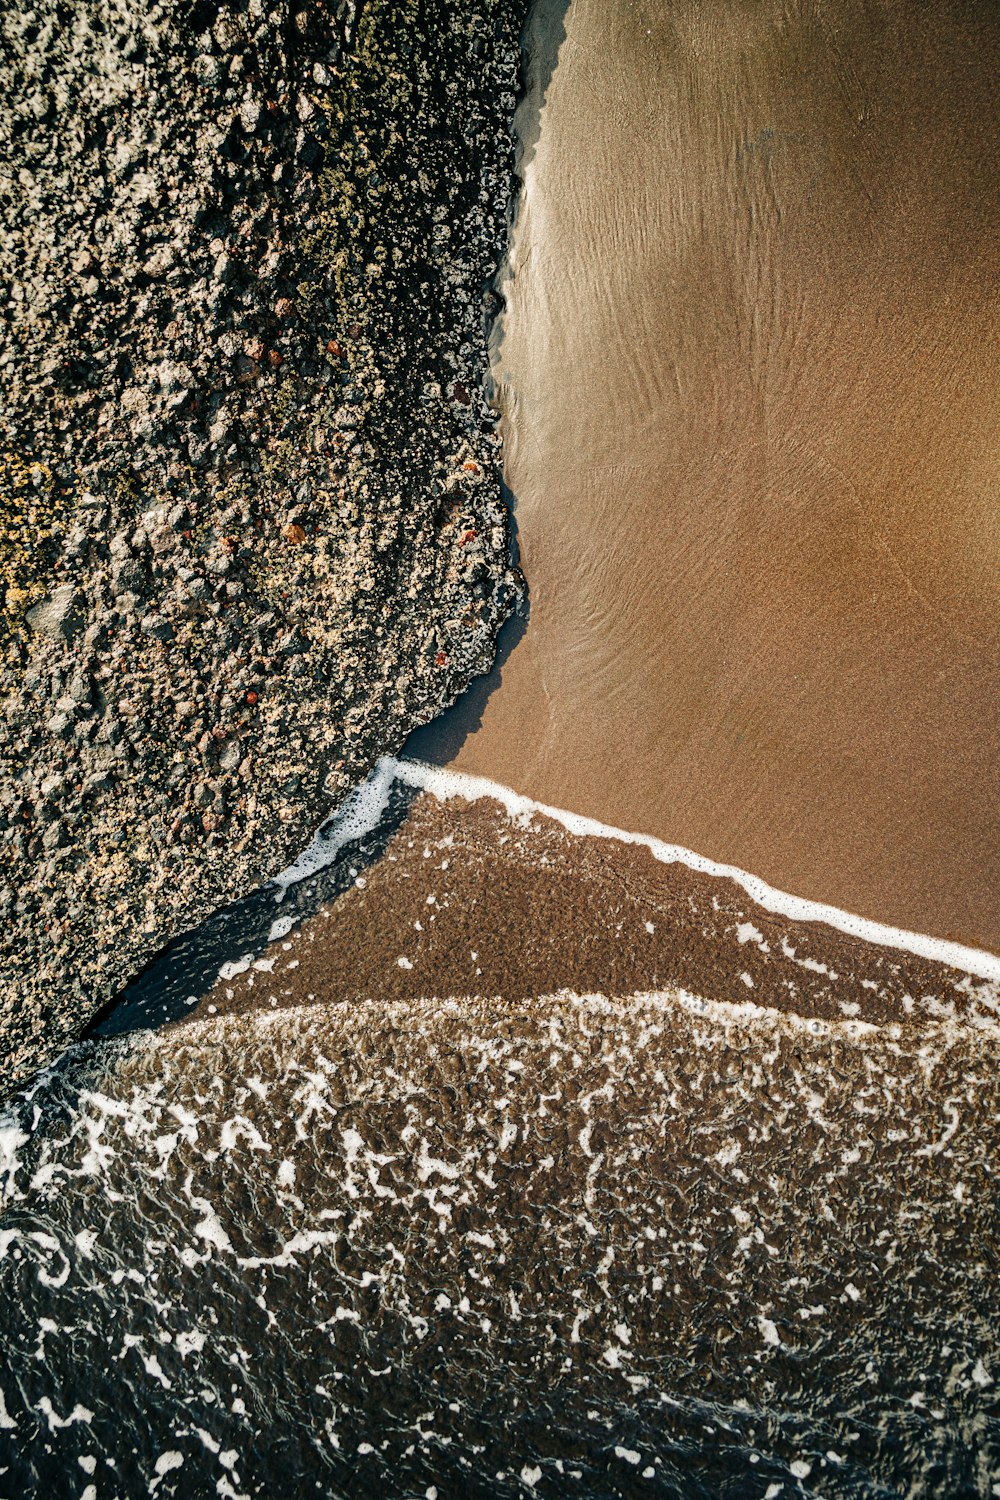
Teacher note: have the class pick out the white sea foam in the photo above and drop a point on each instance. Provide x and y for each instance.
(658, 1006)
(360, 813)
(78, 1414)
(446, 784)
(366, 805)
(12, 1138)
(7, 1423)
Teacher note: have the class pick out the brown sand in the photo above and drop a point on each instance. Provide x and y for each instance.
(463, 902)
(752, 413)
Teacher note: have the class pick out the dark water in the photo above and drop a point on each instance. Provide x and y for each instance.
(560, 1245)
(576, 1247)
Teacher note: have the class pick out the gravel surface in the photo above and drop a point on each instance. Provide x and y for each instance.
(251, 526)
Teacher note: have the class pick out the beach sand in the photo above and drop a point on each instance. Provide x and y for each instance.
(748, 370)
(468, 899)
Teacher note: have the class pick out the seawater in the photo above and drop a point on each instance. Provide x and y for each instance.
(650, 1244)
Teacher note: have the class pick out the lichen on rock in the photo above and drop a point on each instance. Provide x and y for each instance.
(251, 528)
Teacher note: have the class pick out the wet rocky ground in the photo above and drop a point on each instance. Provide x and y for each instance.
(251, 525)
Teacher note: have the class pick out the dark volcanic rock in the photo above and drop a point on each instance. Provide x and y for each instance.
(251, 529)
(56, 616)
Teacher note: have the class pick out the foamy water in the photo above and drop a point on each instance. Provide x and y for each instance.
(447, 783)
(572, 1244)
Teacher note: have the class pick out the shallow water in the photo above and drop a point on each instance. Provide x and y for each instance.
(515, 1244)
(569, 1247)
(748, 368)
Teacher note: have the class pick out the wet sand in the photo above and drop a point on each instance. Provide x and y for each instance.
(465, 900)
(751, 408)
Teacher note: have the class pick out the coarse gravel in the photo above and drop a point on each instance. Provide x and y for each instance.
(251, 522)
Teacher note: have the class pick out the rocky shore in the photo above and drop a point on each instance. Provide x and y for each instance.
(251, 526)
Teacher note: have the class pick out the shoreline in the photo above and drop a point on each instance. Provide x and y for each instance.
(367, 804)
(449, 886)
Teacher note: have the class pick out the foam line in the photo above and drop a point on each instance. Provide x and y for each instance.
(365, 806)
(360, 813)
(444, 784)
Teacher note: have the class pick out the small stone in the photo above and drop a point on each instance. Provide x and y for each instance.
(156, 626)
(231, 756)
(249, 115)
(196, 586)
(293, 643)
(207, 70)
(58, 616)
(95, 636)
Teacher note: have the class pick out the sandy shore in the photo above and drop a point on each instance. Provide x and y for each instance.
(466, 900)
(749, 371)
